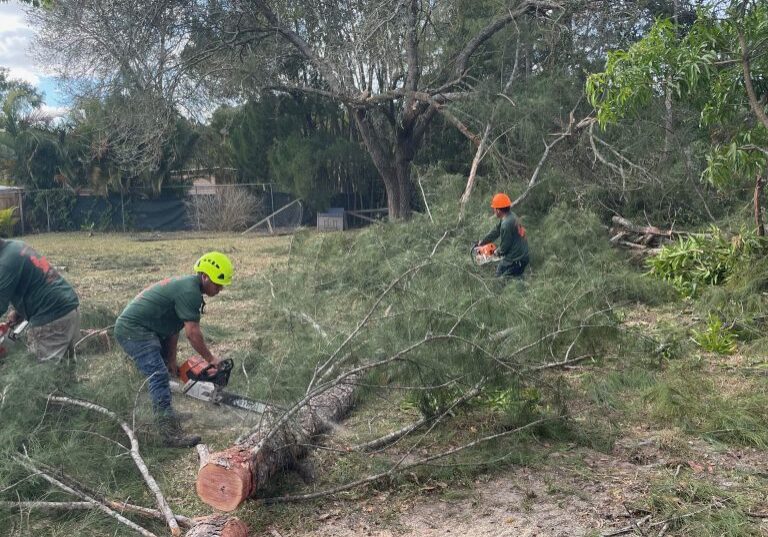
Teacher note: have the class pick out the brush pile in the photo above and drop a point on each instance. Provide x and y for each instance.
(645, 240)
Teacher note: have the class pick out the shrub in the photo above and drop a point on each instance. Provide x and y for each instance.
(8, 219)
(229, 209)
(699, 260)
(716, 337)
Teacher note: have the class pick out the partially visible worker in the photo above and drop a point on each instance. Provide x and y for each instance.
(38, 294)
(148, 330)
(509, 234)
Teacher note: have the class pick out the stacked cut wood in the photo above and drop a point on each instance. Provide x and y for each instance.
(641, 239)
(226, 479)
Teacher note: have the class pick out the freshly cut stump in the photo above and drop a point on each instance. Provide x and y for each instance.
(230, 477)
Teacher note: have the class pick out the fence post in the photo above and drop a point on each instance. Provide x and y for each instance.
(21, 210)
(122, 209)
(47, 212)
(197, 209)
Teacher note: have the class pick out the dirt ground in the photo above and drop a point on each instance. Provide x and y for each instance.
(574, 493)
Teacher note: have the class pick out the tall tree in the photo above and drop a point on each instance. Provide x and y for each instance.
(395, 65)
(720, 65)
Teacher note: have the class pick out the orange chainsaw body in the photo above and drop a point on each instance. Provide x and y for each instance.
(486, 249)
(195, 365)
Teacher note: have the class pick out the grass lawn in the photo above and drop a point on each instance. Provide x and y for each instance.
(680, 437)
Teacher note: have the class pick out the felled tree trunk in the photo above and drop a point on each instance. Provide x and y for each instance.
(231, 476)
(218, 526)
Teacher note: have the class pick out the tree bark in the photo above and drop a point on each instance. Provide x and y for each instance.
(218, 526)
(233, 475)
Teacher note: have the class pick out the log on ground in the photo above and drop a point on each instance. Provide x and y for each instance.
(232, 476)
(218, 526)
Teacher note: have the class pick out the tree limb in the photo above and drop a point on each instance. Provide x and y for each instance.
(26, 462)
(753, 100)
(162, 504)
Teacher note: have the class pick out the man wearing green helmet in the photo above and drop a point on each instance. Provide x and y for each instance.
(148, 330)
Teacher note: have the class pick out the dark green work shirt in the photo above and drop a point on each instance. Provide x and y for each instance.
(32, 286)
(512, 244)
(161, 309)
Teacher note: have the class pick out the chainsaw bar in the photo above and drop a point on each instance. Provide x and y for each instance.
(211, 393)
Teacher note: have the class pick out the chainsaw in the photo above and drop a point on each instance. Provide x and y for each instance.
(484, 254)
(10, 334)
(204, 381)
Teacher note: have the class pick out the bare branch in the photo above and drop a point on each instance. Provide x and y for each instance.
(135, 455)
(26, 462)
(121, 507)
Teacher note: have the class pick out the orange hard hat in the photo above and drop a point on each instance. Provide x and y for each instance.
(501, 201)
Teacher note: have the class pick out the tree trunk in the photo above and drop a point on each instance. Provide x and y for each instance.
(233, 475)
(218, 526)
(392, 158)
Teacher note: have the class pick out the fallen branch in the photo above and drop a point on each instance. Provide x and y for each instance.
(122, 507)
(162, 504)
(26, 462)
(561, 363)
(400, 433)
(405, 466)
(647, 239)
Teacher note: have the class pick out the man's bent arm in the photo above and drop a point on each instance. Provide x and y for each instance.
(170, 344)
(195, 337)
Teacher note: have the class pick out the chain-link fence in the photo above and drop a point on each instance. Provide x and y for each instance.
(234, 207)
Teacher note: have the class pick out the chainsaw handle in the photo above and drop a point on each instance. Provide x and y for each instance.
(223, 365)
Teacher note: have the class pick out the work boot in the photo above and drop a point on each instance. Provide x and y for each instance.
(172, 433)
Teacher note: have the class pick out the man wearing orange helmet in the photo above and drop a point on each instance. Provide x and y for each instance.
(512, 243)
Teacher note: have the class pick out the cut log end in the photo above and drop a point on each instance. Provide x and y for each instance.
(218, 526)
(224, 488)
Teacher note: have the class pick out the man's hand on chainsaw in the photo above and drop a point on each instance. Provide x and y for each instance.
(13, 319)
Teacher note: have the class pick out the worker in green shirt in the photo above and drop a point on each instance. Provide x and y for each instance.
(148, 330)
(39, 295)
(512, 244)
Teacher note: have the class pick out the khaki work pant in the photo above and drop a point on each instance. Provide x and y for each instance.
(52, 341)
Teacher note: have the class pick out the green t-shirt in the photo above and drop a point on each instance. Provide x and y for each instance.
(161, 309)
(513, 244)
(32, 286)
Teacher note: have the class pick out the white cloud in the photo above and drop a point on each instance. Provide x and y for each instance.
(54, 111)
(22, 73)
(15, 38)
(12, 18)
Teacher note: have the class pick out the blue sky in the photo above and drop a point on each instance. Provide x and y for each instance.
(15, 39)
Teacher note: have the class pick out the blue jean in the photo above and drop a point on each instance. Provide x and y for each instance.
(147, 353)
(512, 270)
